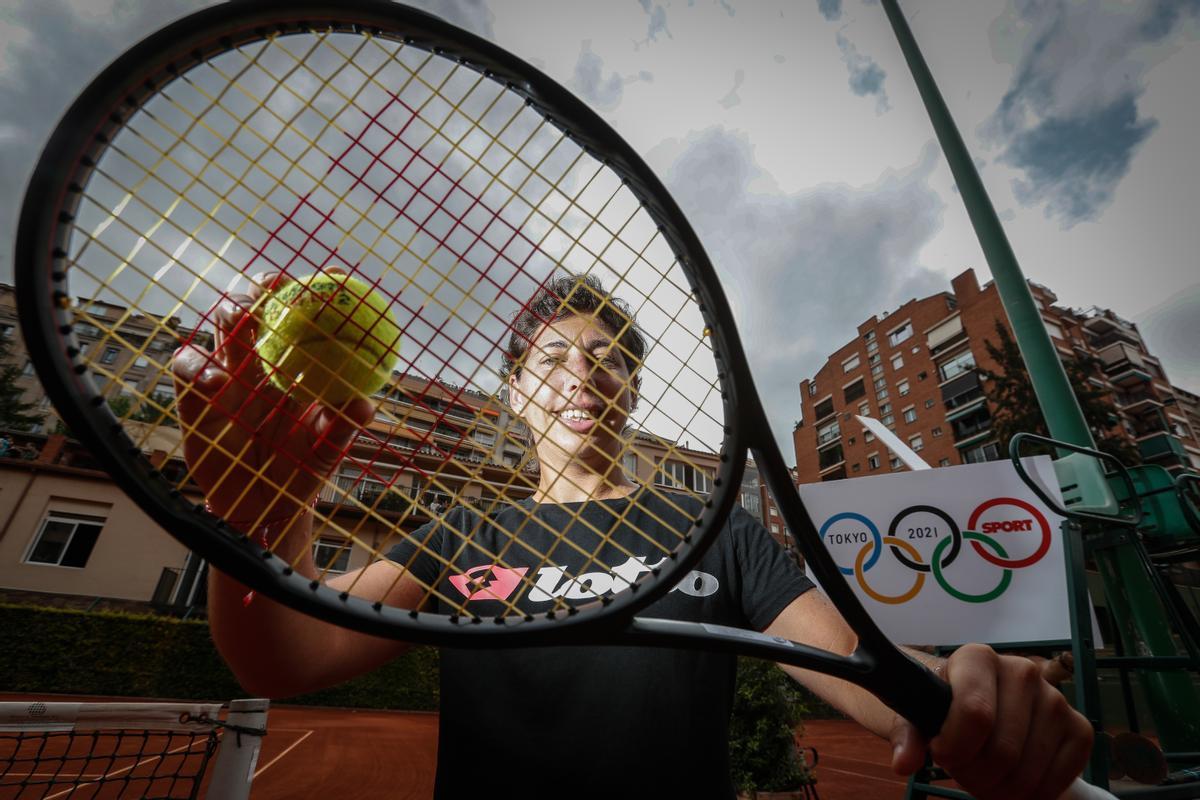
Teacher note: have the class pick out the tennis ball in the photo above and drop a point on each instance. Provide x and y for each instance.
(327, 337)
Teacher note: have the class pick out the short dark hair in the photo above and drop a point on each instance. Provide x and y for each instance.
(574, 295)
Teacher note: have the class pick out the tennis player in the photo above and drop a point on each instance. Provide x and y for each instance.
(575, 721)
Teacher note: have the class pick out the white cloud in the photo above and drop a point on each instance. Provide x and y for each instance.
(802, 270)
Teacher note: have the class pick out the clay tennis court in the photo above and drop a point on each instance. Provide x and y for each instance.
(318, 753)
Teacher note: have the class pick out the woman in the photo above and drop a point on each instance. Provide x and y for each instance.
(604, 722)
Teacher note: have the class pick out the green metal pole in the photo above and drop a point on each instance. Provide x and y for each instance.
(1177, 729)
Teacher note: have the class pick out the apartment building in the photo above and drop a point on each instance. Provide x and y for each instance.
(916, 369)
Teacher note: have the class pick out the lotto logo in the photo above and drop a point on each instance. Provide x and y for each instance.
(488, 582)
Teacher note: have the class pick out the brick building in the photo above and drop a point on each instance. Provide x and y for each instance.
(916, 370)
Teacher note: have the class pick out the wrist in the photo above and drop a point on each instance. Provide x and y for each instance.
(267, 528)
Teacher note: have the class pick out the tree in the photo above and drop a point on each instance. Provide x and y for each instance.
(767, 707)
(15, 413)
(1017, 410)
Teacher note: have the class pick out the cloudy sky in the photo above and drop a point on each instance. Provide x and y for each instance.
(792, 136)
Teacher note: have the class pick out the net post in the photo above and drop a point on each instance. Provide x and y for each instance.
(241, 744)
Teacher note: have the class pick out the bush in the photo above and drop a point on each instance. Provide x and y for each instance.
(767, 707)
(50, 650)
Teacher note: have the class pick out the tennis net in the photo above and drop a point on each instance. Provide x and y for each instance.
(111, 751)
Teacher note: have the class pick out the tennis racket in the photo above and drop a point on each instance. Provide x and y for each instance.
(292, 138)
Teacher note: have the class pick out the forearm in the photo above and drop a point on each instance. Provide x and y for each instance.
(276, 651)
(854, 701)
(813, 620)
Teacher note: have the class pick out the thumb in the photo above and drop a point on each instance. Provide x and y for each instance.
(334, 428)
(908, 747)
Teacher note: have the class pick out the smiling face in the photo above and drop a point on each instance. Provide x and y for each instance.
(574, 392)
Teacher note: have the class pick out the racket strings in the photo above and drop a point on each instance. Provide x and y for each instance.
(554, 205)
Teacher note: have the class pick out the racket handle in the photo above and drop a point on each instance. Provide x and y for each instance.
(1082, 790)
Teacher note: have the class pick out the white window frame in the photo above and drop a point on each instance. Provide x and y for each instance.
(64, 517)
(894, 337)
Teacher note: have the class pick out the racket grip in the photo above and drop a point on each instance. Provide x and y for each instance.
(919, 695)
(1082, 790)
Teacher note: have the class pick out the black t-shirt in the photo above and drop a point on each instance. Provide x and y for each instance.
(581, 721)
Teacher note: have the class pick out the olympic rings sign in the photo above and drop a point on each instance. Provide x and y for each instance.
(850, 528)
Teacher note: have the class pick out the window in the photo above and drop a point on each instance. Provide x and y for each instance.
(881, 394)
(868, 436)
(945, 462)
(888, 419)
(827, 433)
(900, 334)
(897, 361)
(902, 387)
(855, 468)
(929, 403)
(864, 409)
(331, 556)
(824, 408)
(873, 461)
(885, 408)
(1054, 330)
(986, 452)
(630, 462)
(910, 414)
(850, 364)
(936, 432)
(110, 355)
(916, 442)
(830, 457)
(872, 347)
(873, 360)
(876, 370)
(855, 390)
(680, 475)
(812, 388)
(956, 366)
(869, 336)
(65, 540)
(894, 463)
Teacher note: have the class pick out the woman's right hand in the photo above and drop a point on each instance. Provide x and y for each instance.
(258, 454)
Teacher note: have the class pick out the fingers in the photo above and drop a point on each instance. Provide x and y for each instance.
(333, 429)
(198, 379)
(908, 747)
(1009, 733)
(972, 674)
(237, 332)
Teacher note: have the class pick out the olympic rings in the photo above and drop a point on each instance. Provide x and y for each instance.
(1007, 563)
(875, 542)
(893, 600)
(944, 553)
(955, 535)
(1005, 579)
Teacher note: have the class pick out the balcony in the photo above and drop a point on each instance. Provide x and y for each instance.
(828, 459)
(1124, 365)
(961, 391)
(1118, 336)
(828, 436)
(1160, 445)
(1138, 402)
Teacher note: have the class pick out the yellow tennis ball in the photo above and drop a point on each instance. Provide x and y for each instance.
(329, 337)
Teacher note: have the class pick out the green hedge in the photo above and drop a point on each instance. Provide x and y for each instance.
(49, 650)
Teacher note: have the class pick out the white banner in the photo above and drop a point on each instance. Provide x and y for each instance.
(950, 555)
